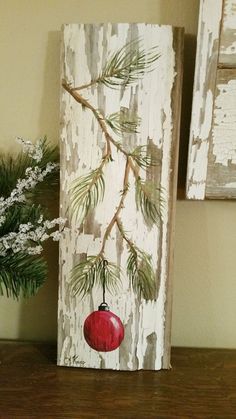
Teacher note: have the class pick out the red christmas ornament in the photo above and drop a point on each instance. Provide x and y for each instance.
(103, 330)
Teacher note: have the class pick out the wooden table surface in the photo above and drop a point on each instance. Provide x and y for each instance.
(201, 384)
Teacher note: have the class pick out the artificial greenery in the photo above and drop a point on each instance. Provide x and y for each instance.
(124, 67)
(13, 168)
(22, 274)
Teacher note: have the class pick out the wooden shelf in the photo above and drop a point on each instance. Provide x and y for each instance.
(201, 384)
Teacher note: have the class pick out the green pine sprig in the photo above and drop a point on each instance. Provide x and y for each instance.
(21, 274)
(20, 214)
(127, 65)
(148, 200)
(144, 158)
(86, 192)
(122, 123)
(90, 272)
(141, 273)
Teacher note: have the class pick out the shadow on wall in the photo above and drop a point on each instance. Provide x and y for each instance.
(187, 95)
(38, 315)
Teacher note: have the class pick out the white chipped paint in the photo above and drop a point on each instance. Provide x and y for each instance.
(208, 34)
(228, 34)
(81, 150)
(230, 185)
(224, 124)
(230, 49)
(229, 14)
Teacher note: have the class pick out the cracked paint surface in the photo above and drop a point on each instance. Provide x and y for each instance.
(221, 176)
(227, 54)
(212, 149)
(85, 50)
(203, 97)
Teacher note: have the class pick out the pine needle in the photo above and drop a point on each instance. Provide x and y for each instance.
(21, 274)
(13, 168)
(86, 192)
(127, 65)
(148, 200)
(141, 274)
(90, 272)
(122, 122)
(143, 158)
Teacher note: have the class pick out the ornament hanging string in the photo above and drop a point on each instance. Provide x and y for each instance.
(105, 263)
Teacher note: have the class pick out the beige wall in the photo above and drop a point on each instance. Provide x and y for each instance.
(204, 309)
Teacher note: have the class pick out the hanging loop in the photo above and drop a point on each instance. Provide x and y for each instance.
(103, 307)
(105, 263)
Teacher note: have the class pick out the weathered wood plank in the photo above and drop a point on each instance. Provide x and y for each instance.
(203, 96)
(155, 98)
(227, 52)
(221, 175)
(178, 46)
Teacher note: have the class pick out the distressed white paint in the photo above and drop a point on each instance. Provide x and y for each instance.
(203, 92)
(227, 55)
(81, 150)
(224, 124)
(231, 185)
(221, 175)
(212, 151)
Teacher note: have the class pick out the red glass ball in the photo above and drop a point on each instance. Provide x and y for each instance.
(103, 330)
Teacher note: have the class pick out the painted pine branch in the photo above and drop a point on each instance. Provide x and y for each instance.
(121, 122)
(123, 68)
(93, 272)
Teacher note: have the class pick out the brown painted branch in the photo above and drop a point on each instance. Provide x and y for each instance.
(135, 170)
(101, 120)
(101, 78)
(86, 86)
(115, 217)
(129, 162)
(120, 227)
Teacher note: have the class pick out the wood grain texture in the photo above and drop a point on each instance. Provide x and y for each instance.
(227, 53)
(211, 163)
(178, 37)
(155, 98)
(203, 96)
(201, 384)
(221, 175)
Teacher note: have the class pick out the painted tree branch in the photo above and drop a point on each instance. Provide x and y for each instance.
(115, 218)
(100, 118)
(86, 192)
(125, 66)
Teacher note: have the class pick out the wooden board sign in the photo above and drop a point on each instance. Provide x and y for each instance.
(212, 148)
(120, 108)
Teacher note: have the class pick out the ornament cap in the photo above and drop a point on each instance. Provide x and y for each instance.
(103, 307)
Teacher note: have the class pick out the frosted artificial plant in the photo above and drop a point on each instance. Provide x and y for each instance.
(24, 225)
